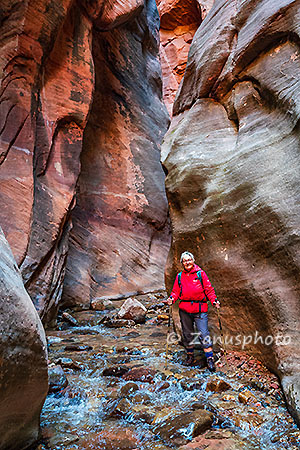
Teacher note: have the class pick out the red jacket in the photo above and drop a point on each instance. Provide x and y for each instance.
(191, 289)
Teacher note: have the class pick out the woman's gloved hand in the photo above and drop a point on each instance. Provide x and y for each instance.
(168, 301)
(217, 304)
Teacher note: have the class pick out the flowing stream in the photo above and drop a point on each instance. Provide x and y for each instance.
(158, 404)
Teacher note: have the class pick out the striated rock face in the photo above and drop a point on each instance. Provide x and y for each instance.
(232, 156)
(23, 368)
(46, 92)
(179, 20)
(119, 242)
(48, 54)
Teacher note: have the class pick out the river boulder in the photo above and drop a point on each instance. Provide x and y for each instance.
(23, 349)
(184, 426)
(134, 310)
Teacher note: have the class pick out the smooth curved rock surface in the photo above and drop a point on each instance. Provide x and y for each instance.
(23, 368)
(51, 53)
(120, 239)
(232, 156)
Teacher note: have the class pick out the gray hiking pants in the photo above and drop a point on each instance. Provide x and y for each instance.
(190, 335)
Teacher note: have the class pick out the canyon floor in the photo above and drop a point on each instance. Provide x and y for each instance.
(114, 388)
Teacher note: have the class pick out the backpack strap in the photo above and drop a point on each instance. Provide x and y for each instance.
(199, 275)
(179, 283)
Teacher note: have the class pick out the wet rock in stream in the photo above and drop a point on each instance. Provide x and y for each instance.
(162, 386)
(190, 384)
(217, 385)
(142, 413)
(98, 304)
(115, 371)
(128, 389)
(132, 309)
(253, 420)
(124, 408)
(246, 397)
(117, 438)
(141, 397)
(69, 363)
(215, 440)
(121, 408)
(185, 426)
(140, 374)
(110, 322)
(57, 379)
(69, 318)
(78, 348)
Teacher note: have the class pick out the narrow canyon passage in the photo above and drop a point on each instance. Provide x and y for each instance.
(133, 131)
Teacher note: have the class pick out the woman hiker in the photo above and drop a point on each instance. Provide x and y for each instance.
(193, 289)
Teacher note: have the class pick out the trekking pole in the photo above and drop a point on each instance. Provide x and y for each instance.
(222, 338)
(168, 334)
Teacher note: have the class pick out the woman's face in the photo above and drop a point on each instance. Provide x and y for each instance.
(187, 263)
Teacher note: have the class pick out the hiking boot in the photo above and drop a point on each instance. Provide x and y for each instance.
(211, 364)
(201, 364)
(189, 360)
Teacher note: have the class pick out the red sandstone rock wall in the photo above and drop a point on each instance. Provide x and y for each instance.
(48, 87)
(46, 92)
(232, 155)
(179, 20)
(120, 238)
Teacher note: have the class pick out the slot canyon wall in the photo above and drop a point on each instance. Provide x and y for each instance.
(120, 237)
(82, 119)
(233, 184)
